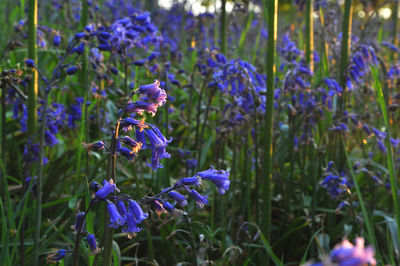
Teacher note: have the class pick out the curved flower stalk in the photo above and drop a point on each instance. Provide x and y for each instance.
(127, 214)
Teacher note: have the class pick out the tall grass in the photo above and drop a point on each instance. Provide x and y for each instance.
(309, 35)
(272, 17)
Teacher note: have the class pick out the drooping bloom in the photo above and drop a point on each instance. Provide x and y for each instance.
(169, 207)
(190, 181)
(91, 239)
(115, 217)
(158, 145)
(137, 211)
(59, 255)
(346, 253)
(121, 208)
(218, 177)
(79, 222)
(108, 187)
(178, 197)
(130, 226)
(200, 200)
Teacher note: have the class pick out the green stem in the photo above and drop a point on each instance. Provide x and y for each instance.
(395, 10)
(310, 34)
(222, 31)
(32, 54)
(390, 158)
(40, 178)
(272, 16)
(344, 54)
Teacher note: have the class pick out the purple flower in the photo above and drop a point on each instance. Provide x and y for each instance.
(178, 197)
(346, 253)
(130, 226)
(200, 200)
(115, 218)
(121, 208)
(168, 206)
(127, 153)
(218, 177)
(108, 187)
(50, 139)
(190, 181)
(137, 211)
(131, 142)
(72, 70)
(56, 40)
(91, 239)
(30, 62)
(79, 222)
(59, 255)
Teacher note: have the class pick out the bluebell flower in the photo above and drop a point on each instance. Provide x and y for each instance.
(218, 177)
(59, 255)
(137, 211)
(121, 208)
(72, 70)
(79, 35)
(116, 219)
(79, 222)
(178, 197)
(79, 49)
(30, 62)
(130, 226)
(159, 208)
(50, 139)
(140, 136)
(190, 181)
(191, 163)
(56, 40)
(108, 187)
(94, 186)
(200, 200)
(97, 146)
(27, 183)
(169, 207)
(132, 143)
(91, 239)
(127, 153)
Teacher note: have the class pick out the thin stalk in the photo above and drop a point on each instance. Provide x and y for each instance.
(395, 32)
(79, 235)
(40, 178)
(4, 184)
(370, 229)
(203, 126)
(345, 50)
(272, 15)
(222, 30)
(32, 118)
(390, 158)
(32, 54)
(310, 34)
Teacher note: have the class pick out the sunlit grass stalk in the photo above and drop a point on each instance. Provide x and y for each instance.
(272, 11)
(390, 157)
(345, 50)
(32, 119)
(222, 29)
(324, 43)
(32, 54)
(244, 34)
(111, 172)
(395, 32)
(40, 177)
(367, 221)
(4, 183)
(310, 34)
(84, 132)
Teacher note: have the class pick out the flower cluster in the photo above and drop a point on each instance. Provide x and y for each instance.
(346, 253)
